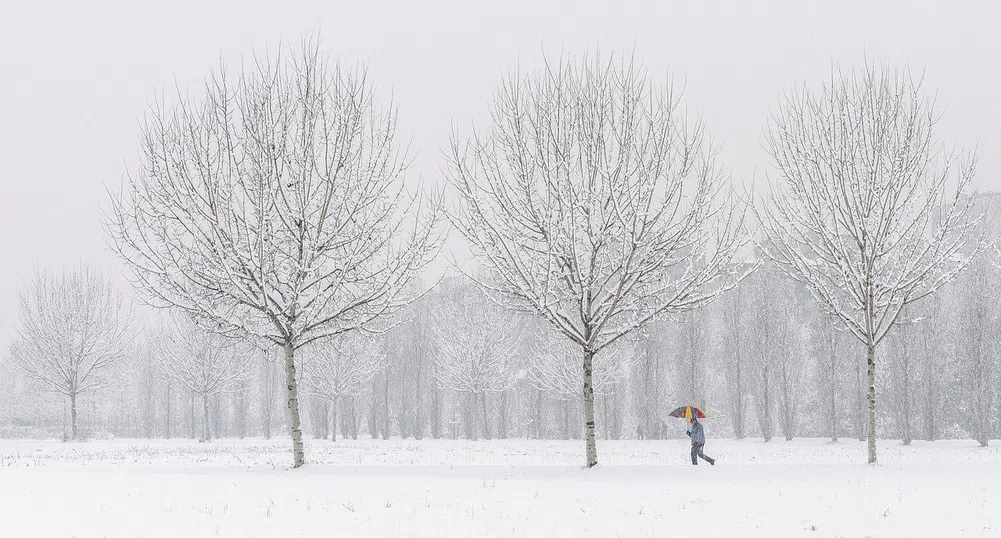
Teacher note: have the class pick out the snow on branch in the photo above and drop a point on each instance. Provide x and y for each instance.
(477, 343)
(204, 362)
(554, 367)
(595, 200)
(868, 210)
(71, 328)
(342, 367)
(275, 202)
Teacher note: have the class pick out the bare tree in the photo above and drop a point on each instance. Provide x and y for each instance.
(650, 381)
(935, 368)
(275, 206)
(771, 320)
(789, 371)
(734, 311)
(860, 212)
(553, 366)
(269, 388)
(829, 376)
(903, 378)
(71, 329)
(476, 346)
(344, 367)
(595, 203)
(206, 363)
(980, 347)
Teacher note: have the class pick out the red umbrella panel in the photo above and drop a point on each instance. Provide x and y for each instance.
(687, 412)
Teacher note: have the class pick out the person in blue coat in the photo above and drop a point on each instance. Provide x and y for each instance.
(698, 436)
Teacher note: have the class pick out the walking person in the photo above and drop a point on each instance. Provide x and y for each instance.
(698, 441)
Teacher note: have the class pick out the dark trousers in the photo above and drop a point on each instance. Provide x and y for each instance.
(697, 453)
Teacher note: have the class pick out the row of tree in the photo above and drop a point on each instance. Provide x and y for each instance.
(273, 210)
(764, 361)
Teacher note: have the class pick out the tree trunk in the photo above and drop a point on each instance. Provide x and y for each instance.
(241, 417)
(502, 431)
(539, 432)
(355, 419)
(616, 398)
(567, 431)
(469, 416)
(589, 441)
(871, 398)
(208, 428)
(292, 391)
(268, 400)
(930, 400)
(372, 417)
(149, 403)
(266, 420)
(648, 380)
(907, 395)
(73, 431)
(319, 415)
(333, 419)
(832, 372)
(168, 410)
(788, 418)
(387, 425)
(486, 416)
(194, 427)
(738, 416)
(418, 397)
(860, 403)
(436, 412)
(765, 417)
(217, 419)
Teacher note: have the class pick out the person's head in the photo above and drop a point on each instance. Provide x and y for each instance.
(693, 420)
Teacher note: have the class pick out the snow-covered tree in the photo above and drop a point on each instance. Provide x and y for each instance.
(937, 368)
(734, 310)
(830, 378)
(71, 329)
(979, 347)
(340, 368)
(206, 363)
(789, 374)
(554, 367)
(269, 388)
(693, 358)
(902, 364)
(861, 211)
(650, 380)
(773, 322)
(476, 344)
(595, 202)
(274, 205)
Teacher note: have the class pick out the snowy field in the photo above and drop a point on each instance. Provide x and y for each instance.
(496, 488)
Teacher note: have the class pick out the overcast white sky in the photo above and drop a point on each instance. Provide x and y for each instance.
(76, 76)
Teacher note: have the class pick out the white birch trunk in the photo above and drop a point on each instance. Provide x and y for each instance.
(292, 391)
(73, 414)
(207, 436)
(833, 372)
(871, 399)
(333, 419)
(588, 399)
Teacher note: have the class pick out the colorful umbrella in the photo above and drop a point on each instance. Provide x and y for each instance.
(687, 412)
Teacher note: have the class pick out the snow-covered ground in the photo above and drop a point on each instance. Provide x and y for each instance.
(496, 488)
